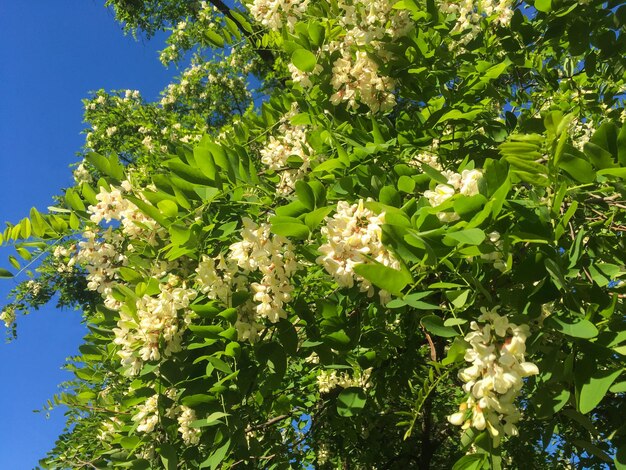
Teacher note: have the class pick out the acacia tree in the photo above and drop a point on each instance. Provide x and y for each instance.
(406, 251)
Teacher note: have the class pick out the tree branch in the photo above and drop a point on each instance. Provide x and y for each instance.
(265, 54)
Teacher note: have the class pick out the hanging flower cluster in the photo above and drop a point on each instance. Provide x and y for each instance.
(328, 380)
(273, 14)
(469, 14)
(581, 132)
(428, 157)
(154, 326)
(258, 251)
(353, 236)
(356, 80)
(187, 416)
(495, 378)
(465, 183)
(356, 77)
(289, 141)
(147, 417)
(113, 206)
(102, 252)
(8, 316)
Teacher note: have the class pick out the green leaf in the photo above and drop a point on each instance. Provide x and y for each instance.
(315, 218)
(470, 462)
(579, 169)
(216, 458)
(435, 325)
(549, 403)
(593, 386)
(214, 38)
(305, 194)
(4, 274)
(384, 277)
(130, 442)
(289, 227)
(303, 59)
(619, 387)
(581, 329)
(351, 401)
(148, 209)
(406, 184)
(621, 145)
(168, 208)
(600, 158)
(472, 236)
(211, 420)
(316, 33)
(620, 458)
(617, 172)
(168, 456)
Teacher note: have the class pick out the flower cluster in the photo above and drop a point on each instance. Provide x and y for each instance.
(465, 183)
(148, 415)
(100, 254)
(154, 326)
(581, 133)
(327, 381)
(428, 157)
(356, 77)
(112, 205)
(81, 174)
(353, 236)
(274, 257)
(8, 316)
(469, 14)
(258, 251)
(290, 141)
(190, 435)
(357, 80)
(495, 378)
(273, 14)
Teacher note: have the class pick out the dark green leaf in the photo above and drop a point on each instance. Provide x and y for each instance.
(351, 401)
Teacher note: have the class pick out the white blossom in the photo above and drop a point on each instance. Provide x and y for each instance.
(495, 377)
(190, 435)
(353, 236)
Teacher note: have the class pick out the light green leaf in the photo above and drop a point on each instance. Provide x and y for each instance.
(211, 420)
(471, 236)
(168, 208)
(619, 387)
(384, 277)
(303, 59)
(617, 172)
(581, 329)
(289, 227)
(216, 458)
(592, 385)
(305, 194)
(470, 462)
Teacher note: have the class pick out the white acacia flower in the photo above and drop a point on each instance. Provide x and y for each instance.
(495, 376)
(353, 236)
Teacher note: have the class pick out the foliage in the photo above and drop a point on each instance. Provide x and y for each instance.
(417, 227)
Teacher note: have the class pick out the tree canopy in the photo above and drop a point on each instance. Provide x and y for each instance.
(352, 234)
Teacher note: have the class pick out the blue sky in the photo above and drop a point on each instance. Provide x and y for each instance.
(52, 54)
